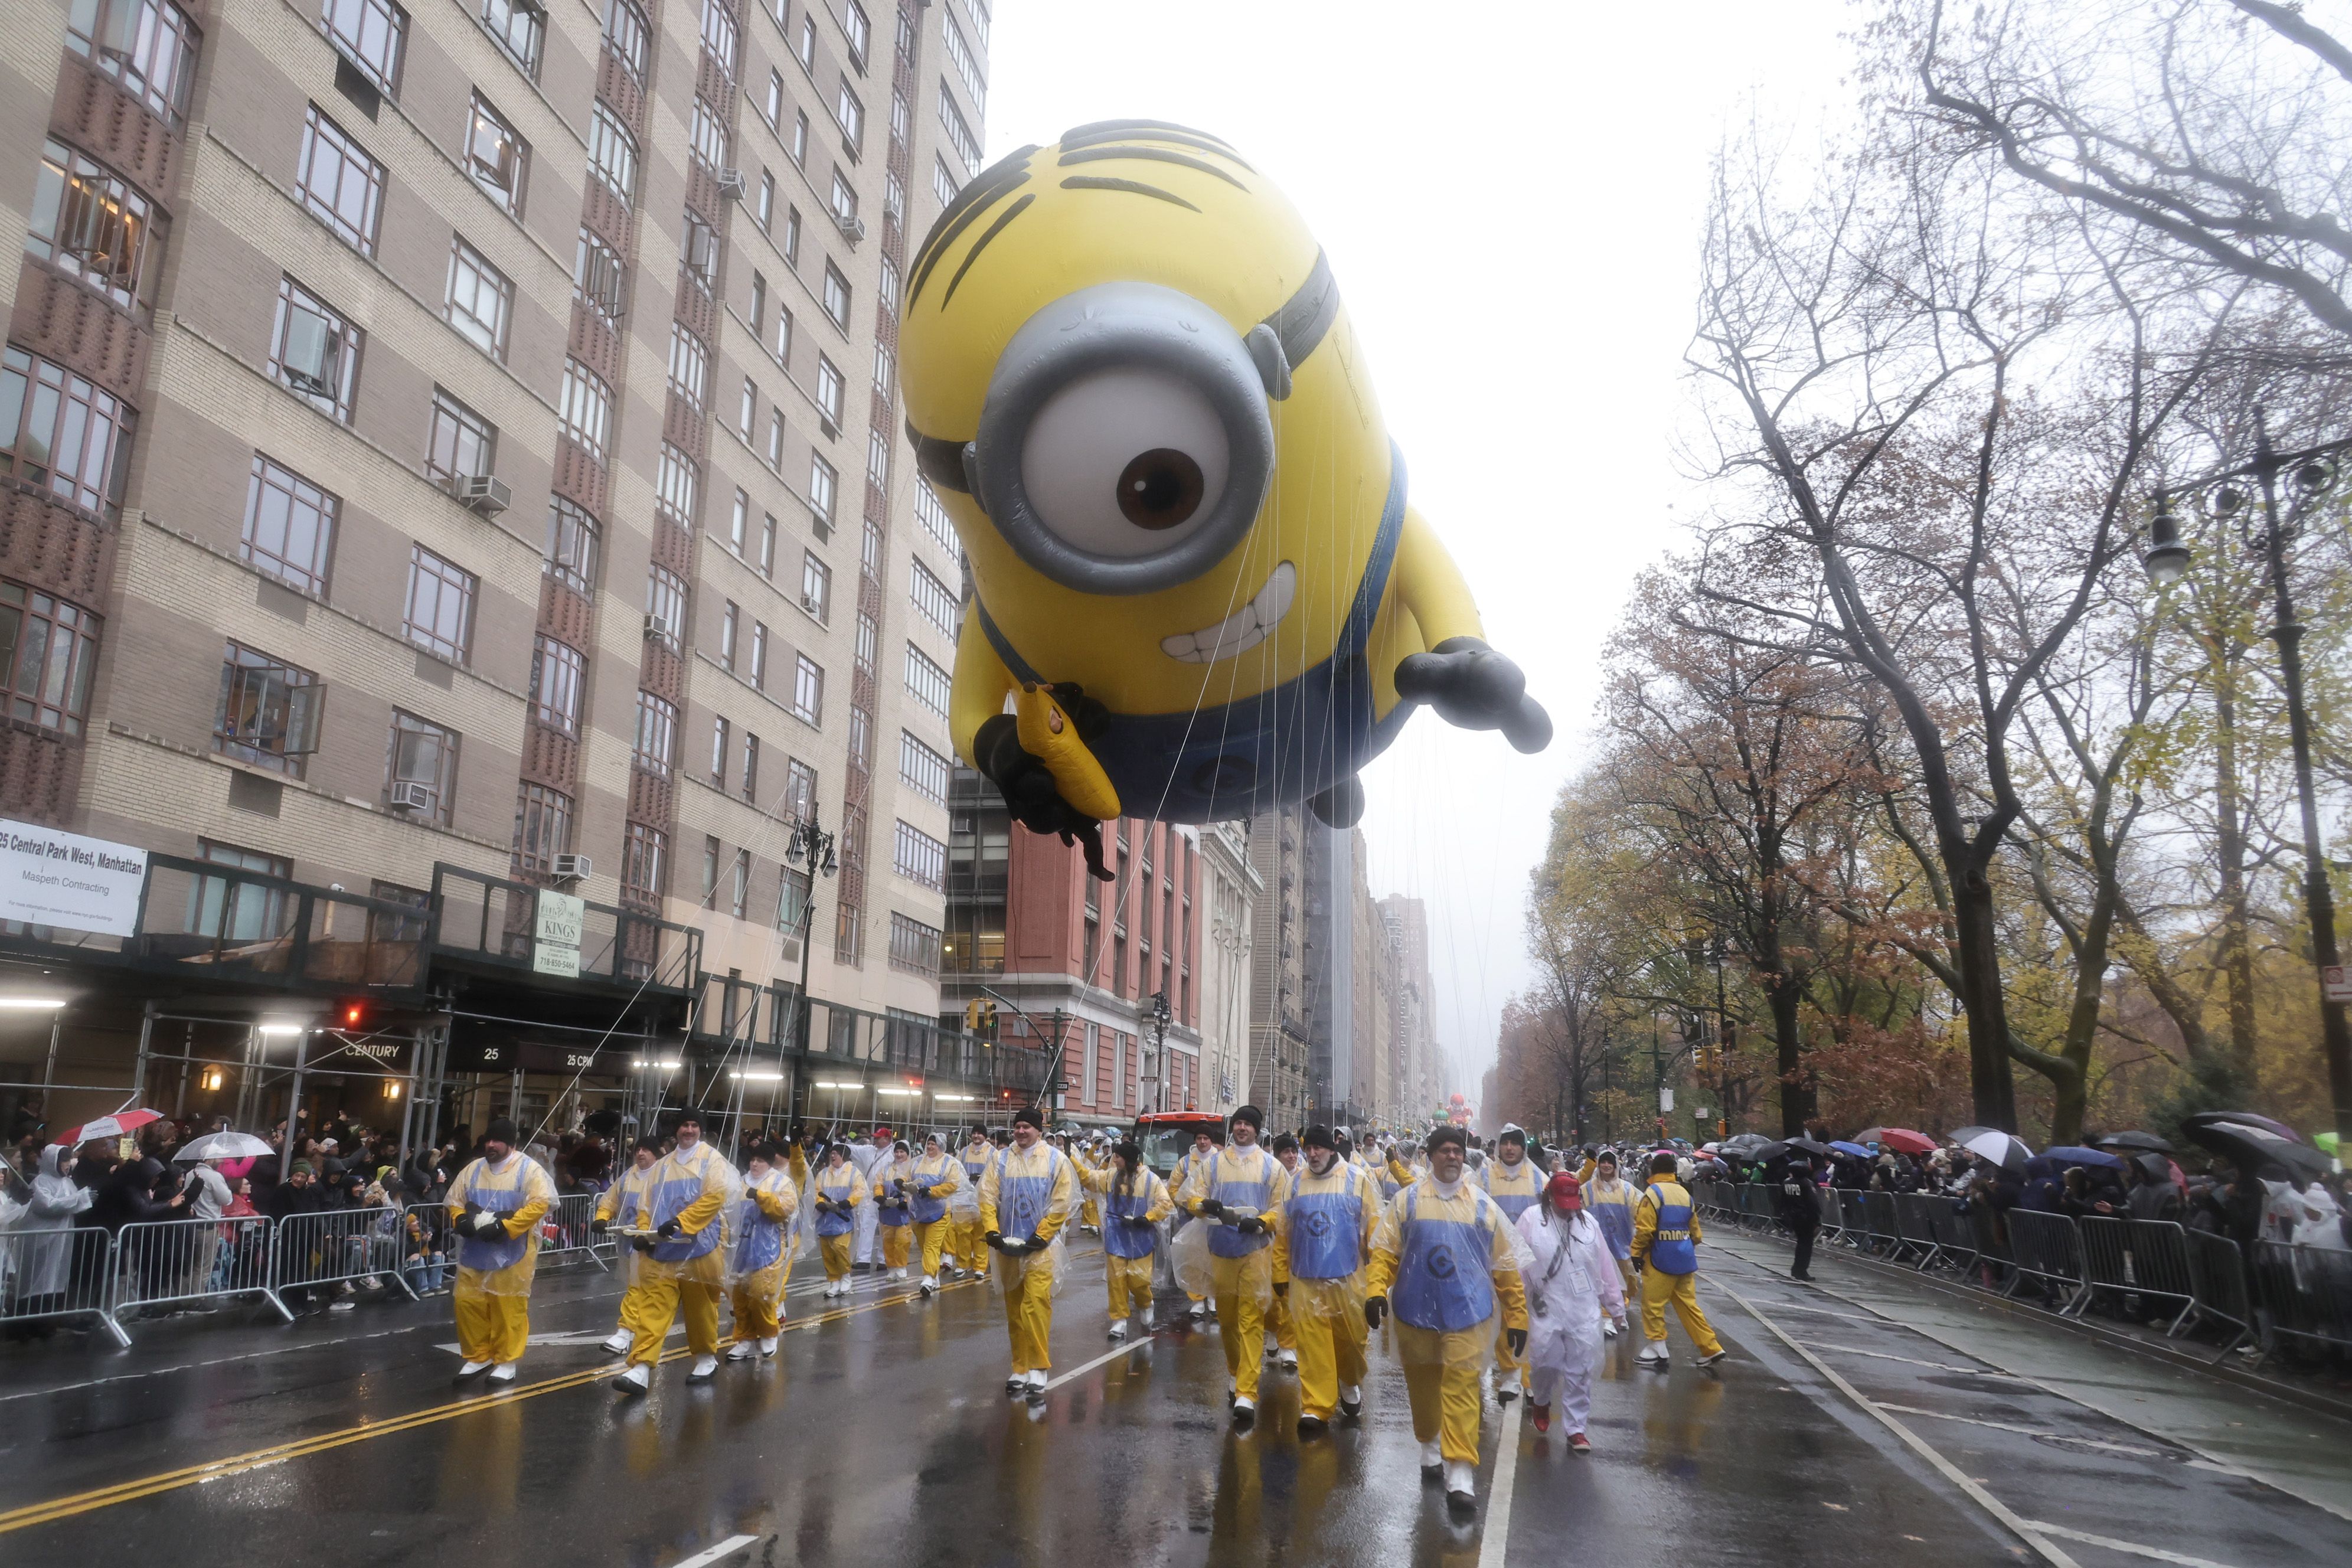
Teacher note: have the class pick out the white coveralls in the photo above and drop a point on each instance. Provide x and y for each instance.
(1572, 1281)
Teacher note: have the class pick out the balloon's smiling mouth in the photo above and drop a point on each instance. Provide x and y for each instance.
(1244, 629)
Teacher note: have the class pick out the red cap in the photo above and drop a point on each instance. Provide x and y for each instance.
(1565, 1191)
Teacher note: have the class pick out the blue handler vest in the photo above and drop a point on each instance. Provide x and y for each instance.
(883, 1198)
(1514, 1192)
(1672, 1250)
(1326, 1228)
(1129, 1241)
(1021, 1200)
(1442, 1278)
(672, 1195)
(759, 1240)
(1256, 1196)
(929, 1210)
(835, 1185)
(489, 1256)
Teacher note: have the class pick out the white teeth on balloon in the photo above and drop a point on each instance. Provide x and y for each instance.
(1244, 629)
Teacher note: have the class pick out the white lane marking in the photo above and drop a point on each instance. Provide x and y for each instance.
(2133, 1547)
(726, 1548)
(1908, 1361)
(1104, 1360)
(2021, 1528)
(2033, 1432)
(1497, 1537)
(216, 1360)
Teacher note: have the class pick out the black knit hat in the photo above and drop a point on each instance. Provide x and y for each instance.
(1318, 1138)
(501, 1131)
(1031, 1114)
(1251, 1114)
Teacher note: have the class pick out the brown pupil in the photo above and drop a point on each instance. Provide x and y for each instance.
(1159, 489)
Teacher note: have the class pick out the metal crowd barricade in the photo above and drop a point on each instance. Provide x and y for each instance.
(429, 1255)
(2143, 1257)
(1856, 1231)
(1915, 1226)
(1832, 1214)
(1956, 1237)
(53, 1272)
(340, 1246)
(1885, 1230)
(2047, 1246)
(2307, 1292)
(568, 1232)
(2217, 1276)
(180, 1262)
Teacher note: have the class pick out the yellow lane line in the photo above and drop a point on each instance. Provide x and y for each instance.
(171, 1480)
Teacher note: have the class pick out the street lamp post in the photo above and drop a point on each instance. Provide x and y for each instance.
(2312, 474)
(1161, 1014)
(811, 843)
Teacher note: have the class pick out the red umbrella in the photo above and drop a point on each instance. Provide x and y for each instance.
(122, 1124)
(1902, 1140)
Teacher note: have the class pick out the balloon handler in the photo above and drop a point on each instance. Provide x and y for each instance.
(1448, 1262)
(1238, 1193)
(1025, 1199)
(1326, 1240)
(1666, 1250)
(624, 1204)
(759, 1253)
(681, 1268)
(1135, 1202)
(495, 1207)
(1132, 383)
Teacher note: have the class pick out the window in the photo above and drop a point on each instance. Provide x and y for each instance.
(914, 946)
(572, 545)
(586, 409)
(800, 792)
(597, 276)
(677, 486)
(845, 198)
(869, 642)
(666, 606)
(837, 295)
(62, 434)
(933, 598)
(269, 711)
(922, 770)
(440, 616)
(460, 444)
(920, 858)
(613, 152)
(315, 352)
(520, 29)
(775, 441)
(933, 516)
(752, 768)
(806, 48)
(943, 183)
(719, 752)
(808, 691)
(901, 119)
(625, 36)
(709, 867)
(481, 300)
(423, 753)
(88, 222)
(496, 156)
(147, 46)
(371, 35)
(719, 36)
(768, 544)
(799, 137)
(740, 522)
(740, 883)
(817, 586)
(927, 682)
(557, 674)
(820, 487)
(793, 236)
(979, 9)
(698, 250)
(767, 210)
(542, 828)
(758, 303)
(241, 910)
(886, 285)
(289, 526)
(828, 388)
(959, 134)
(959, 56)
(690, 364)
(643, 854)
(657, 743)
(707, 136)
(48, 647)
(857, 30)
(774, 111)
(341, 185)
(886, 370)
(726, 623)
(877, 457)
(793, 906)
(759, 655)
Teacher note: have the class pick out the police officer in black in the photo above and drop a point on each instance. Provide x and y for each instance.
(1795, 1185)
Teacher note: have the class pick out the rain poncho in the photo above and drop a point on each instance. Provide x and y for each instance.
(1327, 1236)
(692, 1185)
(843, 1186)
(933, 1183)
(1571, 1284)
(759, 1236)
(1448, 1265)
(2321, 1222)
(1030, 1194)
(622, 1206)
(1514, 1188)
(45, 1236)
(1610, 1205)
(520, 1192)
(1130, 1220)
(963, 1204)
(1250, 1182)
(892, 1181)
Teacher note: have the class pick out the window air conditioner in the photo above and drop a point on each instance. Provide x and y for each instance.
(408, 796)
(730, 184)
(574, 868)
(853, 227)
(810, 603)
(483, 493)
(654, 628)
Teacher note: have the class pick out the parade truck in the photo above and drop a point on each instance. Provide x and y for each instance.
(1164, 1135)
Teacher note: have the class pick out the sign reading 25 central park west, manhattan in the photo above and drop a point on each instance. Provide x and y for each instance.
(53, 879)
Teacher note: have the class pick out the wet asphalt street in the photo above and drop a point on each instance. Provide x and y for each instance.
(1833, 1432)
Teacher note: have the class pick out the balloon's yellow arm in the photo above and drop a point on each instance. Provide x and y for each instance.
(1049, 734)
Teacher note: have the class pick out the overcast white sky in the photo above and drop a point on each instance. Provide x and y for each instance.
(1510, 194)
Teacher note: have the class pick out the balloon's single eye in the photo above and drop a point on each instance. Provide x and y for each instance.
(1124, 463)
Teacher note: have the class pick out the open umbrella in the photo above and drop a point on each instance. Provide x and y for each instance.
(2133, 1141)
(222, 1146)
(1963, 1136)
(2254, 1143)
(2325, 1142)
(2075, 1154)
(1745, 1145)
(1902, 1140)
(1856, 1150)
(2000, 1148)
(122, 1124)
(1774, 1150)
(1809, 1146)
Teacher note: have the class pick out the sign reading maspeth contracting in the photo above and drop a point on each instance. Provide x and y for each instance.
(555, 948)
(49, 878)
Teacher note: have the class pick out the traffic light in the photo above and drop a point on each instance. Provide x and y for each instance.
(354, 1013)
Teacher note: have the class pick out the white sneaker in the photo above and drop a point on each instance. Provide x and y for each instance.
(1017, 1383)
(1507, 1387)
(1433, 1459)
(1653, 1354)
(1289, 1361)
(898, 1274)
(930, 1283)
(618, 1343)
(1200, 1311)
(1232, 1389)
(704, 1366)
(1608, 1329)
(1245, 1412)
(768, 1345)
(634, 1380)
(503, 1373)
(1118, 1330)
(1037, 1379)
(739, 1350)
(1461, 1483)
(1143, 1320)
(472, 1369)
(1351, 1399)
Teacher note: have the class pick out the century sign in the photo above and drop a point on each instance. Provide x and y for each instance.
(53, 879)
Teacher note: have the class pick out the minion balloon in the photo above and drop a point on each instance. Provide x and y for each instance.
(1198, 590)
